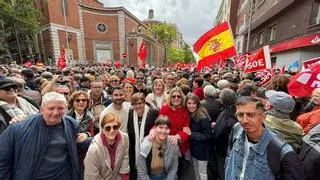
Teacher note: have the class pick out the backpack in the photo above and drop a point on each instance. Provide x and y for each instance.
(274, 150)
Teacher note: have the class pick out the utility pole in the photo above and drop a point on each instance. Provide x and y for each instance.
(249, 25)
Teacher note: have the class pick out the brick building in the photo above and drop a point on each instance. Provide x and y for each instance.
(94, 33)
(290, 27)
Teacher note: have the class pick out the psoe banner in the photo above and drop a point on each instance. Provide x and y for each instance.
(310, 62)
(259, 60)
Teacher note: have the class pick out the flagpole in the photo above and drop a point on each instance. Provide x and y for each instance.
(249, 25)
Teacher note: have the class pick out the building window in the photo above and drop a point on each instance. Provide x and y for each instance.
(261, 38)
(101, 27)
(65, 4)
(255, 41)
(273, 31)
(315, 14)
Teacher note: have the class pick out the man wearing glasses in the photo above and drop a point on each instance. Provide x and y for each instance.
(248, 156)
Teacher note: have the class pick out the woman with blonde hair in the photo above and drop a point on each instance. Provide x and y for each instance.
(107, 156)
(158, 97)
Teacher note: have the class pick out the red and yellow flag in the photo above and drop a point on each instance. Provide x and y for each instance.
(215, 45)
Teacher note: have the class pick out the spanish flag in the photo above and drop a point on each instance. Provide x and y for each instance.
(215, 45)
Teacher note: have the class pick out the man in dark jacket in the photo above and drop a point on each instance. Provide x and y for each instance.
(223, 127)
(43, 146)
(211, 102)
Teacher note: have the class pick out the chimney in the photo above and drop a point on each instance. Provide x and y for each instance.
(151, 15)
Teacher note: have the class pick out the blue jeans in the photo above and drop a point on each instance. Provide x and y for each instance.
(162, 176)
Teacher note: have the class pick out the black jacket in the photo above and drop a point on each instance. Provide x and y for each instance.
(222, 129)
(151, 117)
(213, 107)
(200, 138)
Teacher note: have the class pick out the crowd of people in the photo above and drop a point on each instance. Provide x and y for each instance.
(100, 122)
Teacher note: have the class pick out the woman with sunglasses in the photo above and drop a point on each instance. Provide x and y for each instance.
(179, 116)
(141, 119)
(114, 81)
(107, 156)
(158, 158)
(78, 105)
(200, 136)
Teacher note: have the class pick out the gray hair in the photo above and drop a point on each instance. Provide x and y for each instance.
(53, 96)
(130, 73)
(223, 84)
(210, 91)
(228, 97)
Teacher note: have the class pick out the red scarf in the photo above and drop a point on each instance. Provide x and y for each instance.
(111, 148)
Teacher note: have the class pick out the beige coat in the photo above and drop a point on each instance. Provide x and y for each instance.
(151, 98)
(98, 163)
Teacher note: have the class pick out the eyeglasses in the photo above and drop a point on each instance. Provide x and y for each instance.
(82, 100)
(160, 149)
(250, 115)
(8, 88)
(176, 96)
(137, 104)
(114, 127)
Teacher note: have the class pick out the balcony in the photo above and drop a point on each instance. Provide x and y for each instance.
(262, 14)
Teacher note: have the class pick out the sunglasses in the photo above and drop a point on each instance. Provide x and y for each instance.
(8, 88)
(175, 96)
(160, 151)
(108, 128)
(80, 100)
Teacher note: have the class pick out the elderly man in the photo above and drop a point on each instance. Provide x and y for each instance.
(42, 146)
(12, 107)
(255, 152)
(279, 106)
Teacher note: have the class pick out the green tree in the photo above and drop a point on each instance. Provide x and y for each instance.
(165, 33)
(187, 53)
(17, 17)
(175, 55)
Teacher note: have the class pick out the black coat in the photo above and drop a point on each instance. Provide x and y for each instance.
(151, 117)
(213, 107)
(222, 129)
(200, 138)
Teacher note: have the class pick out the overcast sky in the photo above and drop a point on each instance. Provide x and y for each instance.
(193, 17)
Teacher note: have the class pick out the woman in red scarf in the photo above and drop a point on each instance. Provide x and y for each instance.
(107, 156)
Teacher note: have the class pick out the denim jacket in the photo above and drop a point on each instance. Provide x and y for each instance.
(257, 166)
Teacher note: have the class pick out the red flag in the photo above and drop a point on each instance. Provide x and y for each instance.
(142, 54)
(117, 64)
(28, 63)
(265, 76)
(282, 70)
(305, 82)
(259, 60)
(240, 61)
(309, 62)
(62, 63)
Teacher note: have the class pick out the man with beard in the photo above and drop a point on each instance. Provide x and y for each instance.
(118, 107)
(140, 86)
